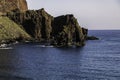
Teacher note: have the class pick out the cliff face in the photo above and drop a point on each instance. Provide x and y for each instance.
(37, 23)
(66, 31)
(23, 5)
(59, 31)
(8, 5)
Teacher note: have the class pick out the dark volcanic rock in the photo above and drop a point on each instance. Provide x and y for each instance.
(85, 32)
(37, 23)
(41, 26)
(66, 31)
(59, 31)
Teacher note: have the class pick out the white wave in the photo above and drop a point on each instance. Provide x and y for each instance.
(43, 46)
(6, 48)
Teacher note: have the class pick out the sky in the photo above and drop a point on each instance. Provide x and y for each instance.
(91, 14)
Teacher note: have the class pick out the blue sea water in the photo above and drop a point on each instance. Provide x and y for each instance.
(97, 60)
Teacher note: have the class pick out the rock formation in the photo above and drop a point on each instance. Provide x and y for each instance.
(37, 23)
(8, 5)
(66, 31)
(23, 5)
(92, 38)
(59, 31)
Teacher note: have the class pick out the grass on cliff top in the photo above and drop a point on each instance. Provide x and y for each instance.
(10, 30)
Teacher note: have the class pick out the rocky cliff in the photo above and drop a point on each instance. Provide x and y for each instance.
(66, 31)
(8, 5)
(37, 23)
(59, 31)
(23, 5)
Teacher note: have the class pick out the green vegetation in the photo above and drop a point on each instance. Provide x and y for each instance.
(10, 30)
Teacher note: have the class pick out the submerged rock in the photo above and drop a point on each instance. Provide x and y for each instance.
(92, 38)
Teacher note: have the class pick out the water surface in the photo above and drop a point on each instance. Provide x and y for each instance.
(98, 60)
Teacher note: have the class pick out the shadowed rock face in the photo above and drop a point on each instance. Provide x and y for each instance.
(85, 32)
(59, 31)
(37, 23)
(67, 32)
(8, 5)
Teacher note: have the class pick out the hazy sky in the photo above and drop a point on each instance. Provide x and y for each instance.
(92, 14)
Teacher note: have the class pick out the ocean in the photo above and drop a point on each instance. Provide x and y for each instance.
(97, 60)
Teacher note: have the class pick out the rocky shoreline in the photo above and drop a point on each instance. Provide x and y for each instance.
(61, 31)
(40, 26)
(58, 31)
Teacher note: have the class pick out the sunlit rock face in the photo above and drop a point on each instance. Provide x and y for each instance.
(8, 5)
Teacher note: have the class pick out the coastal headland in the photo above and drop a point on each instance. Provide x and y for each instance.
(17, 23)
